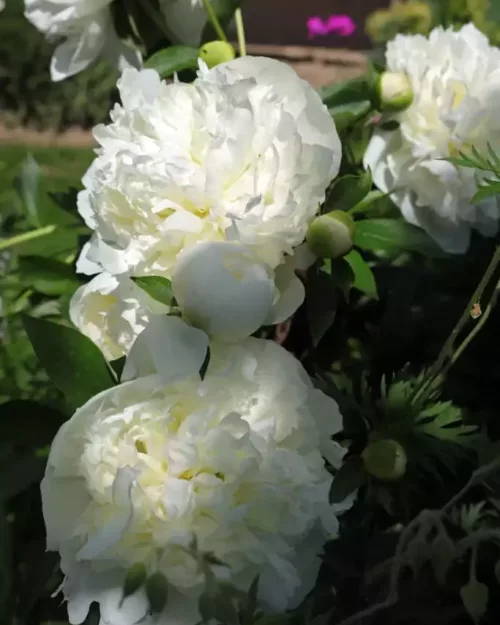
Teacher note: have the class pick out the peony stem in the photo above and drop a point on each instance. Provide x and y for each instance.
(215, 20)
(448, 355)
(240, 30)
(26, 236)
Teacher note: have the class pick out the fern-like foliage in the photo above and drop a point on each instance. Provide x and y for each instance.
(490, 163)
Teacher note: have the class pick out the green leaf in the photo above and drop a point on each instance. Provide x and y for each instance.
(206, 606)
(444, 421)
(157, 592)
(348, 478)
(347, 92)
(342, 275)
(394, 235)
(225, 610)
(174, 59)
(368, 202)
(72, 361)
(321, 300)
(364, 280)
(205, 364)
(27, 187)
(475, 599)
(354, 145)
(156, 287)
(117, 366)
(250, 605)
(134, 579)
(46, 275)
(489, 189)
(60, 241)
(348, 191)
(66, 200)
(346, 115)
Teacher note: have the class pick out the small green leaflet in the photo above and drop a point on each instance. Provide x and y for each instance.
(156, 287)
(174, 59)
(364, 280)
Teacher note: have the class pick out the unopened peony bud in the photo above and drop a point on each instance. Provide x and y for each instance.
(394, 91)
(385, 459)
(223, 289)
(331, 235)
(217, 52)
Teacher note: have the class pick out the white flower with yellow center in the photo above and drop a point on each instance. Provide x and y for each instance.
(245, 152)
(113, 311)
(232, 460)
(455, 79)
(87, 27)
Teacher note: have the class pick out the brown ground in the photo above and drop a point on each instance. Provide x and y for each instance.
(319, 66)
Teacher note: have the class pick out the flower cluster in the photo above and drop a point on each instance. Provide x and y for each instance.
(208, 187)
(455, 79)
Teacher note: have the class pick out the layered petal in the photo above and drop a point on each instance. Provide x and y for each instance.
(232, 460)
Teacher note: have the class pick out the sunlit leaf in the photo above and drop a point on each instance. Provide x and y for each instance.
(73, 362)
(394, 235)
(157, 287)
(174, 59)
(364, 280)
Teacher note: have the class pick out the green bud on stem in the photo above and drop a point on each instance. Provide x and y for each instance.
(217, 52)
(331, 235)
(385, 459)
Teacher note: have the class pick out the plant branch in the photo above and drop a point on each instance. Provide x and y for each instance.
(26, 236)
(426, 517)
(214, 20)
(447, 352)
(240, 31)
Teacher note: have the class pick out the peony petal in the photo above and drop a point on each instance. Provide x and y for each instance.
(167, 347)
(224, 289)
(78, 52)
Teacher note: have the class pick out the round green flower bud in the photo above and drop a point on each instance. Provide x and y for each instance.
(216, 52)
(385, 459)
(394, 91)
(331, 235)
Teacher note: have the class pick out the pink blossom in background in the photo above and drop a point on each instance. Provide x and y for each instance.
(339, 24)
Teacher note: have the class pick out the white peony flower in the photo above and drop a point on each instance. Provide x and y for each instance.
(455, 79)
(185, 19)
(87, 27)
(245, 152)
(113, 311)
(233, 461)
